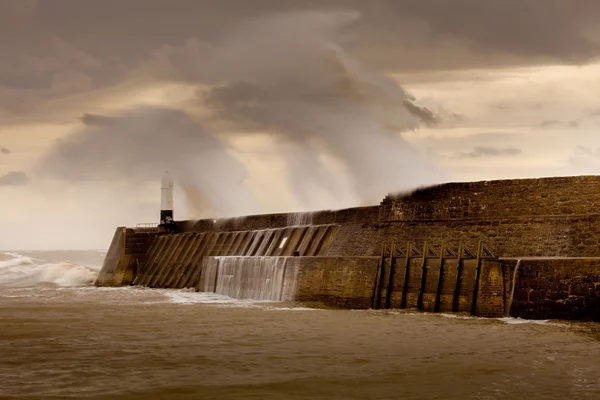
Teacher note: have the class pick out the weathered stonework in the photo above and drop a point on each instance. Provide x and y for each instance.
(125, 253)
(526, 218)
(561, 288)
(490, 300)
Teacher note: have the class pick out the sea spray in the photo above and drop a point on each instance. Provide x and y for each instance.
(22, 271)
(300, 219)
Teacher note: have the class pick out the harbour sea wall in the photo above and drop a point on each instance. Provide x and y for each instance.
(447, 248)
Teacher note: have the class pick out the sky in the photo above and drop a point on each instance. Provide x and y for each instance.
(280, 105)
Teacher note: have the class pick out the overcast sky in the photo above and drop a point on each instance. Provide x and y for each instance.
(280, 105)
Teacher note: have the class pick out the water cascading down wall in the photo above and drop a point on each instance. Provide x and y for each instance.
(455, 248)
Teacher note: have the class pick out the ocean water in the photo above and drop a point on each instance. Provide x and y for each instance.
(62, 338)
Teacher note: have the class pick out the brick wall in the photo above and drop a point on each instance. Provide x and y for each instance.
(575, 236)
(349, 282)
(358, 215)
(491, 299)
(127, 250)
(562, 288)
(515, 218)
(345, 282)
(498, 199)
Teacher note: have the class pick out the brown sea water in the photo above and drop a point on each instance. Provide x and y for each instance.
(62, 338)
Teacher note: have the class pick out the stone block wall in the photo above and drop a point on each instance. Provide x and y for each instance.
(345, 282)
(351, 282)
(127, 251)
(548, 217)
(339, 282)
(497, 199)
(516, 218)
(555, 288)
(491, 294)
(359, 233)
(571, 236)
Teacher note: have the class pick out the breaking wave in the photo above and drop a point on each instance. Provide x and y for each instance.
(18, 270)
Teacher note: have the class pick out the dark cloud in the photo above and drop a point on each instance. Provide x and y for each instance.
(510, 31)
(14, 178)
(554, 123)
(424, 115)
(536, 106)
(4, 150)
(96, 120)
(551, 123)
(489, 151)
(78, 44)
(64, 47)
(559, 30)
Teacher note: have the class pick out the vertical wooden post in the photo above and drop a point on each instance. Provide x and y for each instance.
(406, 275)
(423, 276)
(438, 292)
(390, 282)
(477, 277)
(458, 278)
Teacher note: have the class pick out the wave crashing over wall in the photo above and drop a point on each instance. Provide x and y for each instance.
(256, 278)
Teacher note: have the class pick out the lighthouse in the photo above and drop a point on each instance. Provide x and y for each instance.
(166, 200)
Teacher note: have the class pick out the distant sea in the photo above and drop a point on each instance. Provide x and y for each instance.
(63, 338)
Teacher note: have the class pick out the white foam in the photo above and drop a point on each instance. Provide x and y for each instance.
(506, 320)
(27, 271)
(299, 308)
(456, 316)
(191, 297)
(67, 274)
(188, 297)
(519, 321)
(16, 259)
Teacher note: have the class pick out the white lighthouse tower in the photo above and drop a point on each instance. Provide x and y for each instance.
(166, 200)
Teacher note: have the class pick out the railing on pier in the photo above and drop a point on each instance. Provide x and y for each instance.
(147, 227)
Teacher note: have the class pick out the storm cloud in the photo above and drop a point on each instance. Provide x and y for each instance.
(489, 151)
(60, 47)
(554, 123)
(14, 178)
